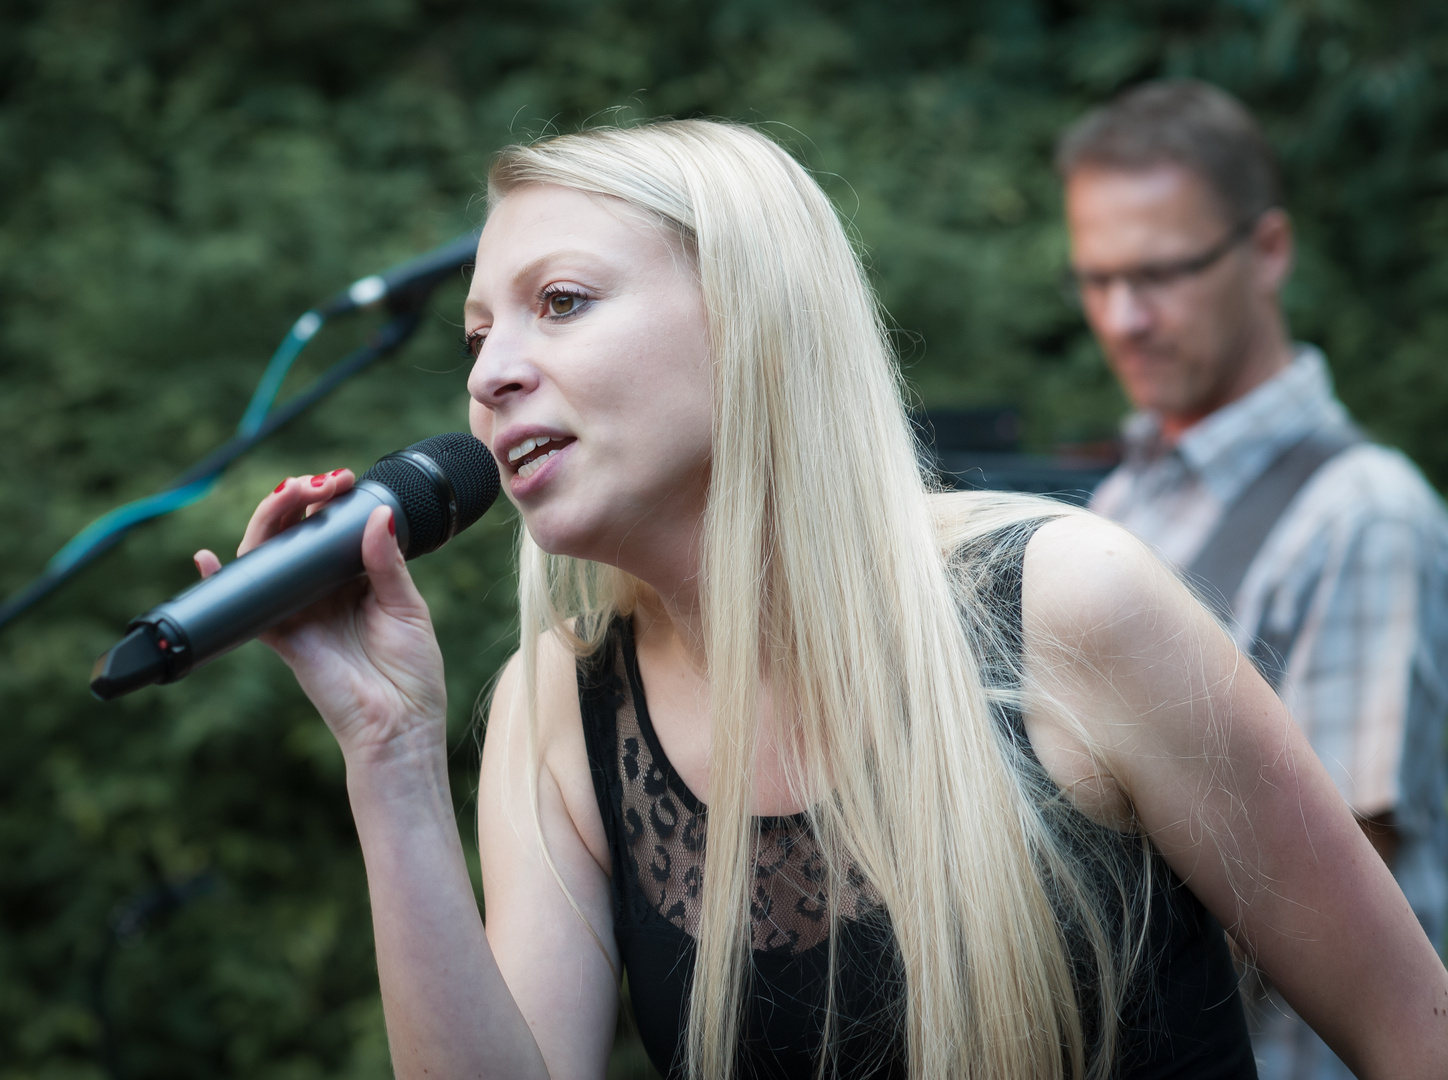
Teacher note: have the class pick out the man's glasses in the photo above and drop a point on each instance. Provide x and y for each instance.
(1150, 280)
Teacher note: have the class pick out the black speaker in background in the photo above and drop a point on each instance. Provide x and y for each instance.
(979, 449)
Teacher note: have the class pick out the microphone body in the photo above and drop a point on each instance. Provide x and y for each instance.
(433, 489)
(270, 583)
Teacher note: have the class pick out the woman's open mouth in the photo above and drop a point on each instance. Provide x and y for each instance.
(529, 455)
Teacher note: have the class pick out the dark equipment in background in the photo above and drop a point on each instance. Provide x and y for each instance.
(979, 449)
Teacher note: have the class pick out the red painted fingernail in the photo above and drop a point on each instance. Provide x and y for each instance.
(279, 487)
(391, 525)
(338, 472)
(318, 481)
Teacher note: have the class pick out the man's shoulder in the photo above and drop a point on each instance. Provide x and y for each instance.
(1369, 483)
(1367, 516)
(1368, 506)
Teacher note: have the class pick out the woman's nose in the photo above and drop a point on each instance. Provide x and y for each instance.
(502, 370)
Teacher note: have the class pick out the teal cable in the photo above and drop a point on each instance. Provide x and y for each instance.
(302, 331)
(165, 502)
(123, 517)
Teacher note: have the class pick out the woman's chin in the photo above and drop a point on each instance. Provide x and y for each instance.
(559, 538)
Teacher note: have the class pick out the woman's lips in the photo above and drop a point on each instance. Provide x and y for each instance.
(532, 469)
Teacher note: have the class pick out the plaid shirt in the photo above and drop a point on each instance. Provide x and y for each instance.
(1358, 564)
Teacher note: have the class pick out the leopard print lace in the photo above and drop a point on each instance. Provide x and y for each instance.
(665, 827)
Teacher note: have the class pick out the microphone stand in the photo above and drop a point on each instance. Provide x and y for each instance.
(405, 290)
(388, 339)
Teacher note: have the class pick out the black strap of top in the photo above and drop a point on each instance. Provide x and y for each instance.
(996, 621)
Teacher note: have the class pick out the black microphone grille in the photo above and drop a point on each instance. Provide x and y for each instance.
(444, 484)
(469, 466)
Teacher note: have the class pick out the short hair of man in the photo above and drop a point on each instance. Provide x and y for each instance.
(1184, 122)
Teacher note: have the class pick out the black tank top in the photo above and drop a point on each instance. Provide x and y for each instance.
(1182, 1019)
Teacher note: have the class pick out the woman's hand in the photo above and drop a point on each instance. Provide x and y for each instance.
(366, 655)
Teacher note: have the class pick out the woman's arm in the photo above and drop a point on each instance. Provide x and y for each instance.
(561, 975)
(368, 659)
(1175, 729)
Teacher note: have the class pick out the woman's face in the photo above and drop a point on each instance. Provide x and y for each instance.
(592, 381)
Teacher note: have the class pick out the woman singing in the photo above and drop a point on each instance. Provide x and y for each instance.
(850, 779)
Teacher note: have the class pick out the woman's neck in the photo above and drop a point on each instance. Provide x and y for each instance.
(675, 623)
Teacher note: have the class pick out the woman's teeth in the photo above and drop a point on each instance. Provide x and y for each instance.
(528, 468)
(527, 449)
(527, 446)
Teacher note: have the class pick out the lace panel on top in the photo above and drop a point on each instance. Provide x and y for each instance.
(665, 825)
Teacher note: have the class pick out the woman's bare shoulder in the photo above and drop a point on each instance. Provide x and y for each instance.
(1090, 584)
(1113, 644)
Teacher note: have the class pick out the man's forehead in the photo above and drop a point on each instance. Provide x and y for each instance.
(1154, 207)
(1146, 188)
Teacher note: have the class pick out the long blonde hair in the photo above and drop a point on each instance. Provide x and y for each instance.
(826, 575)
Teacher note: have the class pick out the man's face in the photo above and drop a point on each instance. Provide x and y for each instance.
(1180, 343)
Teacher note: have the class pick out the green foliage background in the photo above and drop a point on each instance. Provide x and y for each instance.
(179, 180)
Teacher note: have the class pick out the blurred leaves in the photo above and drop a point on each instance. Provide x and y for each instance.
(180, 181)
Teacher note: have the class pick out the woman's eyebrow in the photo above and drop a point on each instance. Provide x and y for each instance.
(583, 259)
(588, 260)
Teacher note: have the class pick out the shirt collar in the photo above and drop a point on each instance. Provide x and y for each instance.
(1228, 449)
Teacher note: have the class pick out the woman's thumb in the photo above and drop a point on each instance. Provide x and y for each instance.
(384, 563)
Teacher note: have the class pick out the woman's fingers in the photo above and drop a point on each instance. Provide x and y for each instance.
(342, 481)
(290, 501)
(206, 562)
(386, 568)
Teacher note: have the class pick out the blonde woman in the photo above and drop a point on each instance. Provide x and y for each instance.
(848, 778)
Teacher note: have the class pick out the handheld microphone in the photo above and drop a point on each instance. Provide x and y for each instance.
(435, 488)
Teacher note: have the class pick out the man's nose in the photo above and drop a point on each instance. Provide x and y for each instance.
(1121, 311)
(1118, 310)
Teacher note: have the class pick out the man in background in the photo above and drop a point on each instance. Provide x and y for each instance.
(1327, 554)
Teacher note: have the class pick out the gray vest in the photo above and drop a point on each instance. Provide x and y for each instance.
(1222, 563)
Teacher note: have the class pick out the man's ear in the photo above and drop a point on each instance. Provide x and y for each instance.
(1273, 249)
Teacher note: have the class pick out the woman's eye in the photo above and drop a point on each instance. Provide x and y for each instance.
(563, 303)
(473, 343)
(560, 301)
